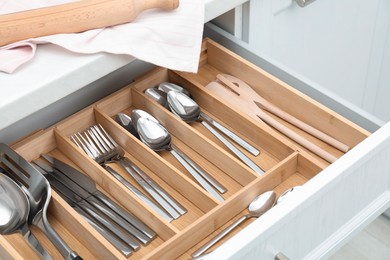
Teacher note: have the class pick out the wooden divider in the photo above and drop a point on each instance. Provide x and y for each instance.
(286, 163)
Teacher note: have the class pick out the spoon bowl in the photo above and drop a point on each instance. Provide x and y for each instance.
(14, 206)
(156, 137)
(14, 212)
(256, 208)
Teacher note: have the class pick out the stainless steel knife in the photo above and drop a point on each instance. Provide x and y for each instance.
(87, 186)
(83, 206)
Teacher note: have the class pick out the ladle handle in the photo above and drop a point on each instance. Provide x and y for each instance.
(56, 239)
(220, 235)
(35, 244)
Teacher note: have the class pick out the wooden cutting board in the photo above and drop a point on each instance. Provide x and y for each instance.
(74, 17)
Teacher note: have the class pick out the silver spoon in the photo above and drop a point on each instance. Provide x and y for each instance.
(138, 113)
(189, 111)
(256, 208)
(158, 95)
(126, 121)
(198, 254)
(14, 210)
(158, 138)
(167, 86)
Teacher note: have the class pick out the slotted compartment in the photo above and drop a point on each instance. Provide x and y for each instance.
(285, 162)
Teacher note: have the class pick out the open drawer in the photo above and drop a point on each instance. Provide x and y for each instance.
(286, 164)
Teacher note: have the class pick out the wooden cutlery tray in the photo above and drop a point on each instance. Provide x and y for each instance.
(286, 163)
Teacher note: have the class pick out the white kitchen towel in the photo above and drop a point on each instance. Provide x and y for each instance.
(170, 39)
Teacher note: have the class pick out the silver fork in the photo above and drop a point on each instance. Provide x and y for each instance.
(100, 146)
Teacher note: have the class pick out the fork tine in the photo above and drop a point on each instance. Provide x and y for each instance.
(101, 130)
(84, 145)
(98, 140)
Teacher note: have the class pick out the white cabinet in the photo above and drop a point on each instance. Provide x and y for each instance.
(343, 46)
(333, 206)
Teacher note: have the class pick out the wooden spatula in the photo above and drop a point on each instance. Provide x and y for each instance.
(74, 17)
(238, 92)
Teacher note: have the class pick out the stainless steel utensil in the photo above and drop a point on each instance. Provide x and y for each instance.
(199, 253)
(96, 147)
(136, 114)
(83, 206)
(14, 211)
(38, 192)
(256, 208)
(89, 186)
(189, 111)
(157, 138)
(78, 195)
(167, 86)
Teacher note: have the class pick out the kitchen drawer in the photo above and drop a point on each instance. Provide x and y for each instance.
(332, 198)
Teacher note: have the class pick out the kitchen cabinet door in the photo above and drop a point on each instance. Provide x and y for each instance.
(343, 46)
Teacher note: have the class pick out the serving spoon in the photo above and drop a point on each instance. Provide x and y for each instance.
(158, 138)
(188, 110)
(14, 211)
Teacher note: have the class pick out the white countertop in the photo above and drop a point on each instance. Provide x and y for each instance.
(55, 73)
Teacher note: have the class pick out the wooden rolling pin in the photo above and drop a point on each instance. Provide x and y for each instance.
(74, 17)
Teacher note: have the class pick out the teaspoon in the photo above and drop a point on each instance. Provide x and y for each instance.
(256, 208)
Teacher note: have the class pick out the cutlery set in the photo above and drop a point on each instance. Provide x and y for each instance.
(130, 180)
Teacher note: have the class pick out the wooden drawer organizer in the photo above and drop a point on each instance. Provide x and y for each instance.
(286, 163)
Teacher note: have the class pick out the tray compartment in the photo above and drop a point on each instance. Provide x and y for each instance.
(161, 172)
(266, 160)
(286, 163)
(221, 60)
(292, 171)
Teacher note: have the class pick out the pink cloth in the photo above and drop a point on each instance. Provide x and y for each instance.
(170, 39)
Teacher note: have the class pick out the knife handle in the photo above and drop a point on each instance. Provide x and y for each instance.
(118, 220)
(106, 233)
(107, 222)
(126, 216)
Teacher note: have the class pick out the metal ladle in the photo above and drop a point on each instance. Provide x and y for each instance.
(158, 138)
(188, 110)
(14, 211)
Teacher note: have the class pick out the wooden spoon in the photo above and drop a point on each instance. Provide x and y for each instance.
(74, 17)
